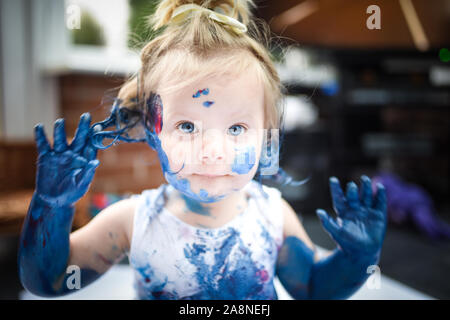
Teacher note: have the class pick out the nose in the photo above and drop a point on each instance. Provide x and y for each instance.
(212, 147)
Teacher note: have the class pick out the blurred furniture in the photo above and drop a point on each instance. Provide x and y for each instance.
(17, 172)
(387, 114)
(14, 207)
(342, 24)
(17, 176)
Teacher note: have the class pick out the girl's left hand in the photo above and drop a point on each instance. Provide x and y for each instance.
(361, 221)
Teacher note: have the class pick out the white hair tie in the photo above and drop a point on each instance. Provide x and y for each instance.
(182, 12)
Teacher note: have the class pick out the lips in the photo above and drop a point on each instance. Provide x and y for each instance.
(209, 175)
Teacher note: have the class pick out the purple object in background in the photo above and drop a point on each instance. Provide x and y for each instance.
(411, 202)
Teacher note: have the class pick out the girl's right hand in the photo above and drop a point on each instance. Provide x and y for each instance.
(65, 172)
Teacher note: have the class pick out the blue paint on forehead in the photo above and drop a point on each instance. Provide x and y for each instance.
(208, 103)
(200, 92)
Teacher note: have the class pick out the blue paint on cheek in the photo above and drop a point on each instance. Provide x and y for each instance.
(196, 206)
(244, 160)
(208, 103)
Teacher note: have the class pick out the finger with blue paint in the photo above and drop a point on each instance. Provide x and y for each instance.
(337, 195)
(360, 226)
(65, 172)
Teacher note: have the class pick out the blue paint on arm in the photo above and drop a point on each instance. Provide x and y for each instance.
(64, 174)
(360, 236)
(294, 264)
(337, 276)
(44, 250)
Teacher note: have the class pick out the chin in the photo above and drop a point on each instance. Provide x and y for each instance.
(223, 185)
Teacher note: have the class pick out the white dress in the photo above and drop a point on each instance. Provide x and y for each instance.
(175, 260)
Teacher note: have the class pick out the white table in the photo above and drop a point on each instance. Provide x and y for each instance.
(117, 284)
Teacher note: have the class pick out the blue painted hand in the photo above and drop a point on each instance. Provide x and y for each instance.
(65, 172)
(361, 221)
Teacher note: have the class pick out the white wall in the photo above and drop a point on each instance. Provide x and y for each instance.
(29, 95)
(35, 48)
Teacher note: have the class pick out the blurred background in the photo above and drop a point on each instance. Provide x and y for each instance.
(367, 92)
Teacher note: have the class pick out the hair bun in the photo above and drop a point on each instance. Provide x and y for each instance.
(237, 9)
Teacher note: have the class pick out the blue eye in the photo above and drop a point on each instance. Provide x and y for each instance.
(236, 129)
(186, 127)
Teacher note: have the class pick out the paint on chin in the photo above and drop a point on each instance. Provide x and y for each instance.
(184, 186)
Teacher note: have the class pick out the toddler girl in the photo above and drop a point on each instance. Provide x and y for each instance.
(208, 99)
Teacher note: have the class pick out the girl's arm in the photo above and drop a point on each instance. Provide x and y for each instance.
(104, 241)
(53, 262)
(359, 232)
(64, 174)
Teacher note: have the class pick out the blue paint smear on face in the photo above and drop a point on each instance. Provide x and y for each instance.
(182, 185)
(244, 160)
(196, 206)
(208, 103)
(219, 281)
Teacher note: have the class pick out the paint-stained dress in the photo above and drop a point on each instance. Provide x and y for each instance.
(175, 260)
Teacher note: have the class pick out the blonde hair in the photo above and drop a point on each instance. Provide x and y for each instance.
(201, 47)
